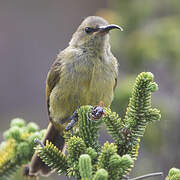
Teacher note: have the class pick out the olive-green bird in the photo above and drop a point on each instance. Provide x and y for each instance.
(84, 73)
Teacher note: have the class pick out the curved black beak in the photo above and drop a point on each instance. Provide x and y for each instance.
(109, 27)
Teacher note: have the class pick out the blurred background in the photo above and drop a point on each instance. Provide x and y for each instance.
(33, 32)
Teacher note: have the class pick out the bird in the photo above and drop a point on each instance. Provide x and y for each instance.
(84, 73)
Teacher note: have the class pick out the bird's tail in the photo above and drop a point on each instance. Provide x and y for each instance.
(37, 166)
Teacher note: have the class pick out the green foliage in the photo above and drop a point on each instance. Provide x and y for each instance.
(127, 132)
(88, 130)
(85, 158)
(18, 147)
(139, 112)
(18, 122)
(8, 164)
(75, 147)
(107, 151)
(92, 153)
(115, 165)
(101, 174)
(149, 42)
(174, 174)
(32, 127)
(49, 154)
(8, 169)
(85, 167)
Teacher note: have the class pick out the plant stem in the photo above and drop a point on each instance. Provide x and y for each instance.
(146, 176)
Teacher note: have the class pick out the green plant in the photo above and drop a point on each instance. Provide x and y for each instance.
(18, 147)
(85, 158)
(174, 174)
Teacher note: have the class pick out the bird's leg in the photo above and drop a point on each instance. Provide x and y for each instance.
(26, 167)
(74, 119)
(97, 113)
(27, 175)
(36, 140)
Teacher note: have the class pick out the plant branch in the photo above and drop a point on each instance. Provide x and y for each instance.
(146, 176)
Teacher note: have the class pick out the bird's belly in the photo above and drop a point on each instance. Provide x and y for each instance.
(81, 89)
(101, 89)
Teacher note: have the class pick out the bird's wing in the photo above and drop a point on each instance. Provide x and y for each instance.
(115, 64)
(52, 78)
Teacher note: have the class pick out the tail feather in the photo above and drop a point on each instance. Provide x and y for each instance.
(37, 165)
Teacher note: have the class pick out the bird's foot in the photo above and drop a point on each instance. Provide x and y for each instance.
(74, 119)
(96, 113)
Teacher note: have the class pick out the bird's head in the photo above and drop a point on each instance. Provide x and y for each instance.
(93, 33)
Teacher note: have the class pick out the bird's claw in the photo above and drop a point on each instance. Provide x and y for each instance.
(96, 113)
(36, 140)
(74, 119)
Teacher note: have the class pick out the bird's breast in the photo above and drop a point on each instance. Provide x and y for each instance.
(91, 80)
(82, 82)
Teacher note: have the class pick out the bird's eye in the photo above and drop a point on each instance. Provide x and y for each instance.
(89, 30)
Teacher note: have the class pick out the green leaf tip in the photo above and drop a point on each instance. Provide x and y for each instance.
(174, 174)
(101, 174)
(76, 147)
(92, 153)
(147, 75)
(85, 167)
(126, 161)
(114, 160)
(15, 132)
(17, 122)
(32, 127)
(119, 166)
(153, 115)
(23, 152)
(174, 171)
(107, 151)
(153, 86)
(111, 162)
(53, 157)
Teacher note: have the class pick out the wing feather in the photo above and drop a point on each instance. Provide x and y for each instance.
(53, 77)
